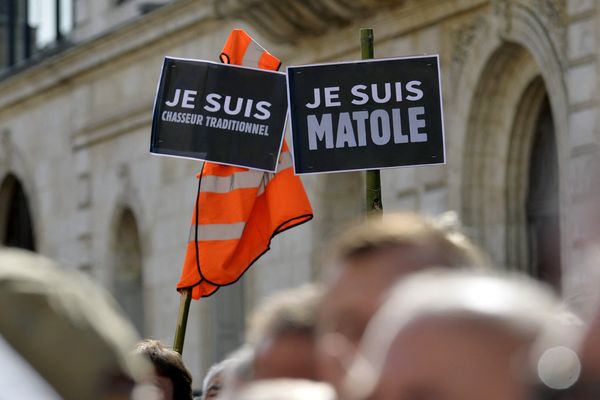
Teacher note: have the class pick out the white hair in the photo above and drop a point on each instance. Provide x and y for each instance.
(515, 303)
(287, 389)
(235, 370)
(288, 311)
(215, 369)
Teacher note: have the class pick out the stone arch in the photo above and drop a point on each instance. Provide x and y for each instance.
(127, 278)
(15, 167)
(491, 131)
(127, 249)
(517, 179)
(16, 221)
(519, 73)
(524, 28)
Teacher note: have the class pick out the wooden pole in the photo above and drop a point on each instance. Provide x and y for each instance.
(373, 180)
(184, 310)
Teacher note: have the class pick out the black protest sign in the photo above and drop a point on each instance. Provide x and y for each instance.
(366, 114)
(221, 113)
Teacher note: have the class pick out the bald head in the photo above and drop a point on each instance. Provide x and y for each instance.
(452, 334)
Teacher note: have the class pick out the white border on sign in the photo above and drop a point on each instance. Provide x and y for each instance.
(365, 61)
(287, 113)
(156, 94)
(366, 169)
(287, 81)
(214, 162)
(270, 71)
(441, 108)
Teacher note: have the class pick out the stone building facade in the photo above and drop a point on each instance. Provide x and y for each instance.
(520, 87)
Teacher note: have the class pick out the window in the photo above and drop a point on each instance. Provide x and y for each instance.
(28, 27)
(16, 228)
(128, 286)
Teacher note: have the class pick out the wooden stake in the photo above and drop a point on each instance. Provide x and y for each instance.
(184, 310)
(373, 180)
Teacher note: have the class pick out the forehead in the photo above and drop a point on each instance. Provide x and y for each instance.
(286, 356)
(590, 349)
(366, 278)
(440, 341)
(383, 265)
(355, 292)
(441, 352)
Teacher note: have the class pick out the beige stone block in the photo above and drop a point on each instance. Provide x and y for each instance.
(405, 201)
(582, 83)
(431, 174)
(582, 127)
(581, 170)
(80, 100)
(394, 181)
(82, 161)
(575, 7)
(80, 223)
(395, 47)
(43, 175)
(581, 37)
(435, 201)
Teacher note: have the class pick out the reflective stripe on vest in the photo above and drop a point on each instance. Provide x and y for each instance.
(226, 184)
(241, 49)
(235, 227)
(240, 210)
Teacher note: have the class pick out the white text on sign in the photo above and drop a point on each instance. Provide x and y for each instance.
(213, 104)
(379, 126)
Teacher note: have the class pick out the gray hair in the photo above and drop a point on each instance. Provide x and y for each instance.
(236, 368)
(430, 242)
(289, 311)
(287, 389)
(215, 370)
(517, 304)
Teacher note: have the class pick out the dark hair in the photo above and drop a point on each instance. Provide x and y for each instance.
(169, 364)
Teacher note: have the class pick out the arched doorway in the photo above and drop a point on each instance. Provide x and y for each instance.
(16, 226)
(127, 283)
(542, 206)
(510, 185)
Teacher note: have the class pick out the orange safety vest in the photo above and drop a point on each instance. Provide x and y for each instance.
(238, 211)
(241, 49)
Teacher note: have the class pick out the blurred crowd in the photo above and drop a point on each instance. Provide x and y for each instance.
(407, 309)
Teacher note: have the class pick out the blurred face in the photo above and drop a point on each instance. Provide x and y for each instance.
(166, 387)
(213, 388)
(590, 352)
(286, 356)
(444, 359)
(351, 299)
(588, 385)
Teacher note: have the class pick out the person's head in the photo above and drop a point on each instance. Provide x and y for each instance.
(287, 389)
(172, 377)
(235, 372)
(282, 333)
(213, 381)
(586, 386)
(67, 328)
(452, 335)
(229, 375)
(366, 260)
(591, 348)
